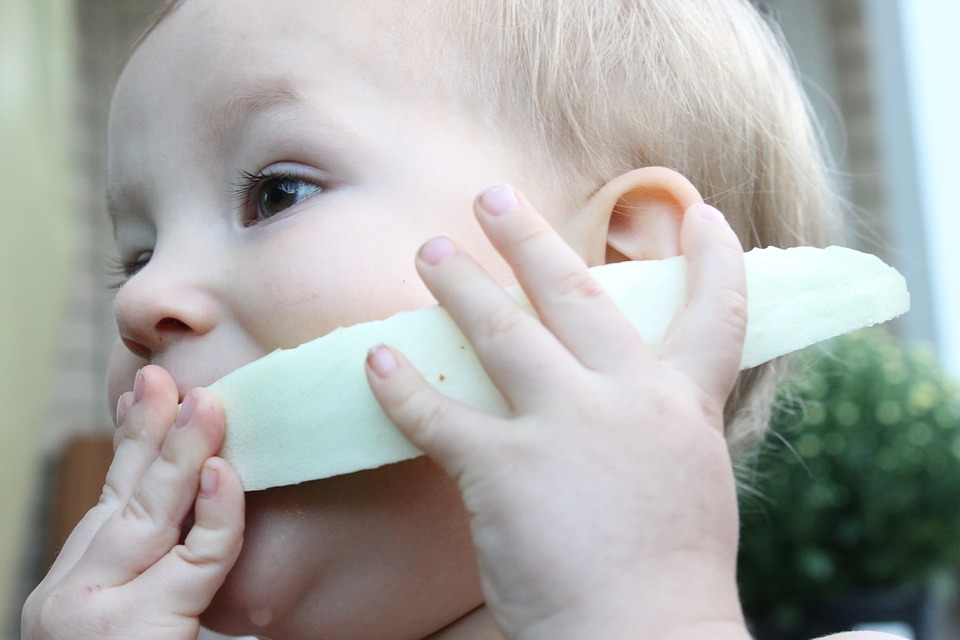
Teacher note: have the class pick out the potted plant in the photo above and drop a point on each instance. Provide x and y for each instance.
(856, 493)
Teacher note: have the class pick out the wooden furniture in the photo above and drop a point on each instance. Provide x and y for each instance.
(79, 477)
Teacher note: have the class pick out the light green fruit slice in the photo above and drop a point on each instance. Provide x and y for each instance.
(307, 413)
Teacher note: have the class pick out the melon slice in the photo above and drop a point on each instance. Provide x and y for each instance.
(307, 413)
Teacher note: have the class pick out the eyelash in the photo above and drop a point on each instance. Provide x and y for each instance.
(122, 270)
(248, 189)
(249, 183)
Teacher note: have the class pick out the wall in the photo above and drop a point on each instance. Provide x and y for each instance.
(36, 43)
(60, 60)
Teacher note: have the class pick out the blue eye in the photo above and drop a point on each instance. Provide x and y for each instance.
(273, 193)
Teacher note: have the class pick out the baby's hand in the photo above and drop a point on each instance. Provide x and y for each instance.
(123, 572)
(604, 506)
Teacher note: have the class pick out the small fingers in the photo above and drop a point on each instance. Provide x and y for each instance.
(149, 524)
(705, 340)
(509, 341)
(190, 574)
(569, 301)
(148, 413)
(442, 428)
(145, 415)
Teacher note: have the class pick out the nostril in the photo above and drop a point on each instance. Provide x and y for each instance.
(172, 325)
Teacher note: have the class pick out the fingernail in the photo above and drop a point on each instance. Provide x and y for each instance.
(709, 213)
(209, 480)
(381, 360)
(123, 405)
(186, 410)
(138, 386)
(437, 250)
(499, 199)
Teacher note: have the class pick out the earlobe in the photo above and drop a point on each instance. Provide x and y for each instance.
(644, 209)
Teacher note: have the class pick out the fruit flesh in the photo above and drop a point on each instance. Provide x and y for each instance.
(307, 413)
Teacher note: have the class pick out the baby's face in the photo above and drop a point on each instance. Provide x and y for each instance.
(273, 169)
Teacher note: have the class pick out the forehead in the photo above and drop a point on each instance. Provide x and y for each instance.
(215, 78)
(209, 64)
(386, 41)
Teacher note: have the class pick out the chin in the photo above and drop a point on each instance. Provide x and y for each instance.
(287, 554)
(384, 553)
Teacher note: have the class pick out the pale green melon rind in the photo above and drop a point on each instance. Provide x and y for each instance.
(307, 413)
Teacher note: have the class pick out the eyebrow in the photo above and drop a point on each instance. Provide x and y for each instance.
(233, 114)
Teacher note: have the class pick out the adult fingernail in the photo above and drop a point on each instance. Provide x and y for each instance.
(138, 386)
(382, 361)
(186, 410)
(499, 199)
(437, 250)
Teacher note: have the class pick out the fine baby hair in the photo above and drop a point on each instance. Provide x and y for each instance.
(703, 87)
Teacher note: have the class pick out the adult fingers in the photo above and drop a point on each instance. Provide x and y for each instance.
(705, 340)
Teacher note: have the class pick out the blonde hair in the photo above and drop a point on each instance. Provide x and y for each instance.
(598, 88)
(705, 87)
(702, 86)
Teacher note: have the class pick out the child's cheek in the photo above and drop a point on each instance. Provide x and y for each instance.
(321, 278)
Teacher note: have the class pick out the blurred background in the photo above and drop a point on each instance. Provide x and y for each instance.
(882, 75)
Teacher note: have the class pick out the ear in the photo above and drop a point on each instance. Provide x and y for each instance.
(643, 210)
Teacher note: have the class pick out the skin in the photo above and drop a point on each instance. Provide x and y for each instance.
(394, 166)
(514, 527)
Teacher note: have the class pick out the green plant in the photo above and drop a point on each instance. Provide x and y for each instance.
(858, 485)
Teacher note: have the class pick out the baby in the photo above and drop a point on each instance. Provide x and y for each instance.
(277, 170)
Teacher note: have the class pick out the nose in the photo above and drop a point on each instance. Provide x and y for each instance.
(165, 302)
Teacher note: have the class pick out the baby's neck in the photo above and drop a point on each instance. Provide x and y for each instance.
(476, 625)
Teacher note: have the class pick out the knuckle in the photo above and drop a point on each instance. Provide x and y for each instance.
(501, 321)
(201, 557)
(731, 307)
(424, 410)
(532, 234)
(137, 510)
(138, 437)
(580, 284)
(109, 495)
(432, 413)
(727, 306)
